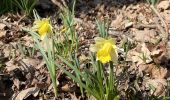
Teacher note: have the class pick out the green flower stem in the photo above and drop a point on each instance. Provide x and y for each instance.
(99, 75)
(54, 70)
(111, 80)
(110, 93)
(54, 86)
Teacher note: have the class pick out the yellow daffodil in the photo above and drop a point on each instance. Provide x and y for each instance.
(43, 27)
(106, 50)
(63, 30)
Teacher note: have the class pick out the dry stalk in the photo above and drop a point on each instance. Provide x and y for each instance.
(61, 4)
(164, 32)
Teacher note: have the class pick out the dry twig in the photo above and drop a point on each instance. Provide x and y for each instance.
(164, 32)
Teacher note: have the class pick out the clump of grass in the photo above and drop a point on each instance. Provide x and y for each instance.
(6, 6)
(67, 38)
(103, 27)
(25, 6)
(48, 55)
(43, 32)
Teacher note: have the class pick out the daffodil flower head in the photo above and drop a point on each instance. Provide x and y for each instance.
(105, 49)
(43, 27)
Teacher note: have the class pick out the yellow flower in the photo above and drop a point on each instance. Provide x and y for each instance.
(106, 50)
(43, 27)
(63, 30)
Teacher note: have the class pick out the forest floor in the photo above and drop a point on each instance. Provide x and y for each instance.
(139, 28)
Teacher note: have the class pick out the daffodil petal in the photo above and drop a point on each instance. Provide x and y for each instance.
(99, 40)
(114, 56)
(99, 43)
(111, 40)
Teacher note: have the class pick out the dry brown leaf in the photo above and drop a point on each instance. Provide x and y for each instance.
(41, 64)
(128, 24)
(10, 66)
(145, 35)
(164, 4)
(158, 52)
(146, 67)
(142, 18)
(166, 16)
(7, 51)
(139, 55)
(65, 88)
(136, 58)
(130, 11)
(31, 62)
(17, 83)
(2, 26)
(159, 73)
(154, 71)
(117, 22)
(2, 33)
(158, 84)
(146, 53)
(28, 41)
(73, 97)
(26, 93)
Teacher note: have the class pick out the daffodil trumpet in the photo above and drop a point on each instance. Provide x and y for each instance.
(105, 49)
(43, 27)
